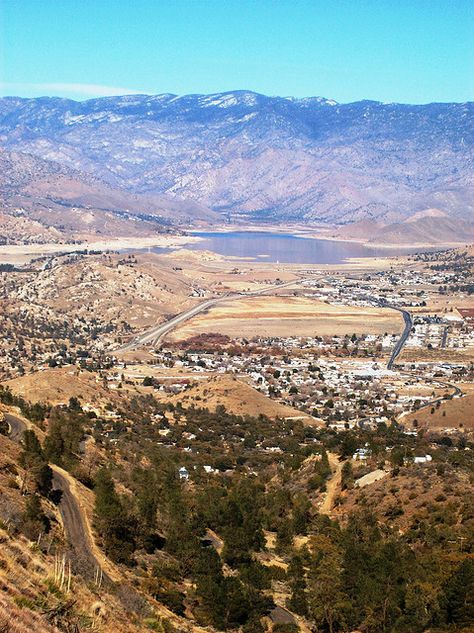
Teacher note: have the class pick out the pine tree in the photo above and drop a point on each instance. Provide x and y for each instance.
(111, 519)
(328, 603)
(298, 601)
(35, 520)
(459, 593)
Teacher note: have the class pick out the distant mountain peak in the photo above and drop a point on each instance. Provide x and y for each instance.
(260, 158)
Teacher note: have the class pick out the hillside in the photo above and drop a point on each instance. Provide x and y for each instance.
(456, 414)
(261, 158)
(45, 587)
(84, 302)
(236, 396)
(406, 499)
(46, 201)
(58, 385)
(431, 226)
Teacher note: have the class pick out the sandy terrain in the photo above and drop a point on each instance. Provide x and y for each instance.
(223, 275)
(371, 478)
(289, 316)
(333, 485)
(20, 253)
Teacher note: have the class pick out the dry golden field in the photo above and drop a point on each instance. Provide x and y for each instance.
(436, 354)
(289, 316)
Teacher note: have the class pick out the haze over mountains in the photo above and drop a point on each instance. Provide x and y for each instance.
(248, 157)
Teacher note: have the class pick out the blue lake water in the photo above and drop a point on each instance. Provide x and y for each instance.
(286, 248)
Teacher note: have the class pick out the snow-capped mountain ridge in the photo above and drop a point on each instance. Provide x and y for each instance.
(259, 157)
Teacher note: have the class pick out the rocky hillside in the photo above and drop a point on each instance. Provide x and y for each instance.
(261, 158)
(47, 201)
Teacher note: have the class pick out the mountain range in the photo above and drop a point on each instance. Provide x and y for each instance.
(241, 156)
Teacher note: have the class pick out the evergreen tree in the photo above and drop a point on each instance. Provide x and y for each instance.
(34, 462)
(329, 604)
(111, 519)
(35, 520)
(31, 447)
(298, 601)
(44, 480)
(459, 595)
(347, 476)
(65, 433)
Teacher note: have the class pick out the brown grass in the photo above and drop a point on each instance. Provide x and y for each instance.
(58, 385)
(289, 316)
(28, 592)
(418, 490)
(452, 414)
(236, 396)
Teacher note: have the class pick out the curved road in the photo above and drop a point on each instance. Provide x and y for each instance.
(457, 393)
(76, 525)
(155, 334)
(17, 427)
(404, 336)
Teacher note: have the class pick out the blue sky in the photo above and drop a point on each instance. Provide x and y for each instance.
(413, 51)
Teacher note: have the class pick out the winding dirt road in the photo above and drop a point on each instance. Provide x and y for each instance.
(17, 427)
(78, 529)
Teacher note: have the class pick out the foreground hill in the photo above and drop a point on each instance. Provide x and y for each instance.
(237, 397)
(208, 521)
(261, 158)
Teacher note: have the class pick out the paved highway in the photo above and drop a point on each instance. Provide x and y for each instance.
(155, 334)
(444, 338)
(17, 426)
(404, 336)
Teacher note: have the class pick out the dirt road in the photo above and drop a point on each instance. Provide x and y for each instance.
(78, 529)
(333, 486)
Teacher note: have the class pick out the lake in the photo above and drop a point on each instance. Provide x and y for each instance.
(286, 248)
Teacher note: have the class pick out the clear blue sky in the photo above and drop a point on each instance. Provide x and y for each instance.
(412, 51)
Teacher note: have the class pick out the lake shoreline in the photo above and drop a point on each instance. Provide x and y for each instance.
(284, 247)
(198, 239)
(320, 233)
(22, 253)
